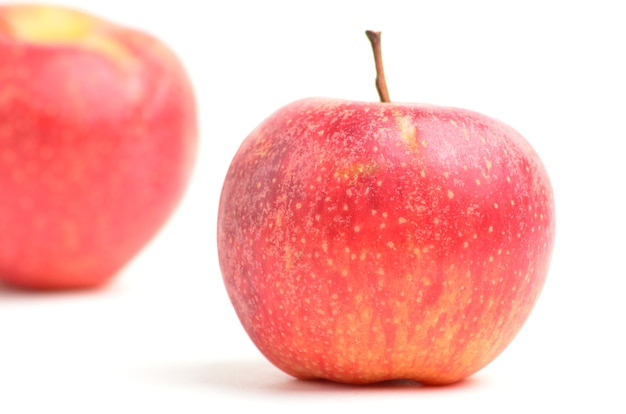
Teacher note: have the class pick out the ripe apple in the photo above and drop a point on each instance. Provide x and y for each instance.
(97, 141)
(363, 242)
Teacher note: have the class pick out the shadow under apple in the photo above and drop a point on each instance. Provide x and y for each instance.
(11, 294)
(259, 376)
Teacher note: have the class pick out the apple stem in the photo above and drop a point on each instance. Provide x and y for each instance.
(381, 84)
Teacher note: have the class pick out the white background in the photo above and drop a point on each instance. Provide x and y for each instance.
(163, 336)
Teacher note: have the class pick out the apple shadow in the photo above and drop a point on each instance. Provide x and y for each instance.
(258, 376)
(10, 294)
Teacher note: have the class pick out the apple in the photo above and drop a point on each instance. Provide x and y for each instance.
(98, 136)
(362, 242)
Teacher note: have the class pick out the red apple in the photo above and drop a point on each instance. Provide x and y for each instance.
(97, 140)
(363, 242)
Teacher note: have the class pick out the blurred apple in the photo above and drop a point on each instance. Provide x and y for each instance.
(363, 242)
(98, 135)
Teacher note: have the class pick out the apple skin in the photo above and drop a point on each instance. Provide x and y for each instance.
(98, 136)
(365, 242)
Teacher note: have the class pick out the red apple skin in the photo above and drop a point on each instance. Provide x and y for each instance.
(364, 242)
(97, 143)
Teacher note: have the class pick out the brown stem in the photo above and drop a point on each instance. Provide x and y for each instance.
(381, 84)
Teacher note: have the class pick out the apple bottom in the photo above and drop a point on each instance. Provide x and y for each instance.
(76, 252)
(360, 339)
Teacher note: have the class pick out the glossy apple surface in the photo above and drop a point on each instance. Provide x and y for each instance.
(363, 242)
(97, 141)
